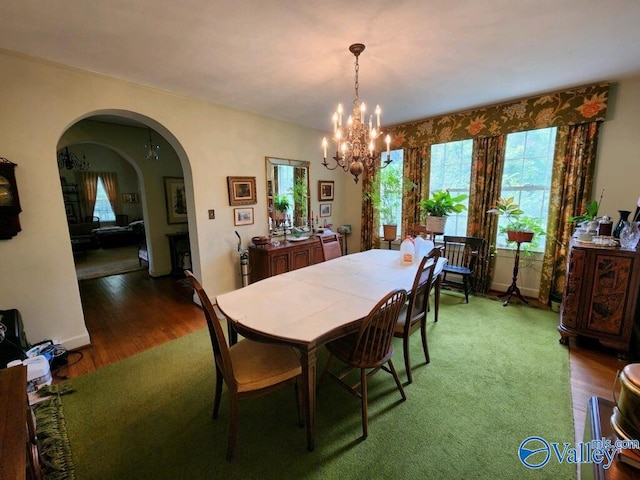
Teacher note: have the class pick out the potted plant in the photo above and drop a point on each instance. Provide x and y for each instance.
(438, 207)
(281, 204)
(386, 198)
(520, 228)
(300, 197)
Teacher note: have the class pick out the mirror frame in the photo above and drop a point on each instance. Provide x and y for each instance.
(270, 163)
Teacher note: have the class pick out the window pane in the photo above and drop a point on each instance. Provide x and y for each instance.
(527, 177)
(103, 209)
(451, 170)
(391, 187)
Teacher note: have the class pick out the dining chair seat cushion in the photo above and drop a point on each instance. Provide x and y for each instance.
(259, 365)
(456, 269)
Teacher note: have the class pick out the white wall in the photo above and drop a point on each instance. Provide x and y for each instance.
(42, 100)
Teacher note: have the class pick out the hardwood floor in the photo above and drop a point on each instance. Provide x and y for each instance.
(129, 313)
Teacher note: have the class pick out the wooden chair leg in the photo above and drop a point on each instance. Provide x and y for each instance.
(465, 281)
(407, 360)
(218, 395)
(365, 411)
(425, 346)
(437, 297)
(397, 379)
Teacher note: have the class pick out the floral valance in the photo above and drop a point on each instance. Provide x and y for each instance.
(571, 107)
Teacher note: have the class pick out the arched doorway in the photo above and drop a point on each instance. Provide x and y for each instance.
(120, 136)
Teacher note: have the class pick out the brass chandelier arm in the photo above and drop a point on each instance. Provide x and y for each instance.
(356, 141)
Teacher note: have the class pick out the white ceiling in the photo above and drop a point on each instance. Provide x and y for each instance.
(289, 59)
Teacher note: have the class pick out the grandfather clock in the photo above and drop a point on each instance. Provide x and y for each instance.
(9, 201)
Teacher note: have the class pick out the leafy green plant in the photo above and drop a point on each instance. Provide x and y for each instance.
(386, 193)
(507, 207)
(442, 204)
(300, 199)
(518, 221)
(590, 213)
(281, 203)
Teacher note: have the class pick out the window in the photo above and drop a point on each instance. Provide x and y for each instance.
(103, 209)
(390, 189)
(451, 170)
(527, 172)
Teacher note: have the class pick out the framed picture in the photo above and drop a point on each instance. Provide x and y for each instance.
(242, 190)
(325, 190)
(129, 198)
(325, 209)
(175, 199)
(243, 216)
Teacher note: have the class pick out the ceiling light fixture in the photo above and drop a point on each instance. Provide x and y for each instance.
(356, 141)
(153, 153)
(70, 160)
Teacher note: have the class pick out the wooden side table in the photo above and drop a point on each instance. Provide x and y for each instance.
(513, 288)
(598, 426)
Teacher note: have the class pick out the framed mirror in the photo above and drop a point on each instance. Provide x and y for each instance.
(288, 201)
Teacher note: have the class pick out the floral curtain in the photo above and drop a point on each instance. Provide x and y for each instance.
(571, 184)
(416, 169)
(487, 165)
(369, 223)
(580, 105)
(88, 187)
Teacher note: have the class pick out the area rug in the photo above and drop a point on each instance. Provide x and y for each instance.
(107, 261)
(497, 376)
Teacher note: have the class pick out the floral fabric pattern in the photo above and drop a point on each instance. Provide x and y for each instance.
(572, 107)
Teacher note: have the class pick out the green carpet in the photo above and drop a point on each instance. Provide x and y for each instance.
(497, 376)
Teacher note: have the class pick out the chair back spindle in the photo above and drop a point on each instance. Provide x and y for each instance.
(221, 353)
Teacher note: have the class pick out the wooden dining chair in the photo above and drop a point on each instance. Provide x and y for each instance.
(249, 368)
(462, 256)
(413, 316)
(421, 230)
(370, 348)
(331, 247)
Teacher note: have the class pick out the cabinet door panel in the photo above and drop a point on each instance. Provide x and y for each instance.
(571, 299)
(609, 294)
(301, 258)
(279, 263)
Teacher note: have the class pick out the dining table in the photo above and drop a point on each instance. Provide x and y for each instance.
(308, 307)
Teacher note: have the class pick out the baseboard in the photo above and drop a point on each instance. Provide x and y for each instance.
(76, 342)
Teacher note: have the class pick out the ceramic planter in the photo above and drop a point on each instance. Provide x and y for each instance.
(520, 237)
(436, 224)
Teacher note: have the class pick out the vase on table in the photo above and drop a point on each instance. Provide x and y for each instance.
(630, 235)
(624, 217)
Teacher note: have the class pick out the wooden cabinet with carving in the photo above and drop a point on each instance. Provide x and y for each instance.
(269, 260)
(601, 296)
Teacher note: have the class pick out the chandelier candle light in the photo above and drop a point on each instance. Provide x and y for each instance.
(70, 160)
(356, 141)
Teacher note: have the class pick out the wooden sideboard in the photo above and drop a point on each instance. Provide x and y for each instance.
(601, 296)
(268, 260)
(18, 444)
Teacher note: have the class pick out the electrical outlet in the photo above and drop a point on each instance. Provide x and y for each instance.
(212, 214)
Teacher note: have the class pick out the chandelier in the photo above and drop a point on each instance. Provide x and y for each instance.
(70, 160)
(356, 141)
(152, 153)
